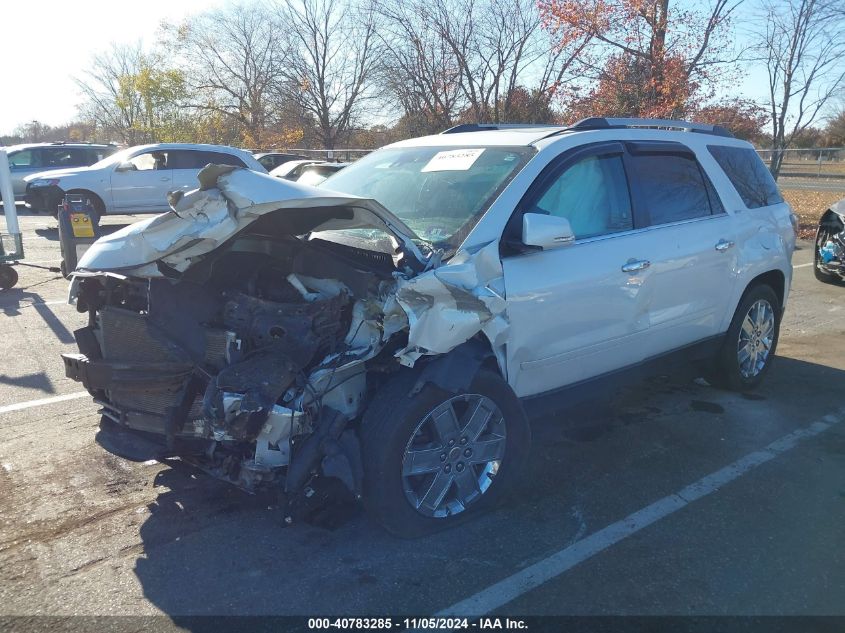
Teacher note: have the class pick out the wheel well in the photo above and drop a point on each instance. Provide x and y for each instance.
(97, 200)
(456, 369)
(774, 279)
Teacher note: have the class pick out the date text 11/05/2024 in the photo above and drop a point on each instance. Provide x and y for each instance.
(417, 623)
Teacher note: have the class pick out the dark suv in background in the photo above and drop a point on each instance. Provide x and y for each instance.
(32, 158)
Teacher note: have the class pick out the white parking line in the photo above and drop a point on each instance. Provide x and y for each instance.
(803, 265)
(37, 403)
(531, 577)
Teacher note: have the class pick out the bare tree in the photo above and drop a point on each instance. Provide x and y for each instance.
(329, 63)
(805, 57)
(111, 101)
(417, 67)
(479, 60)
(234, 56)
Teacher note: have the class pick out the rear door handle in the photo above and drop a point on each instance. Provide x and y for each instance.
(635, 265)
(165, 179)
(723, 245)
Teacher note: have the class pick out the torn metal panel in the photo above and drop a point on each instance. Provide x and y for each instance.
(449, 305)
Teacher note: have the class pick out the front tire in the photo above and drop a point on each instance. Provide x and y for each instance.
(750, 343)
(436, 458)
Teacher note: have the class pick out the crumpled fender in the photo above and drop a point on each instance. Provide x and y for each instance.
(449, 305)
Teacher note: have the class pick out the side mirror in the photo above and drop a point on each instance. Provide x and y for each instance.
(125, 166)
(546, 231)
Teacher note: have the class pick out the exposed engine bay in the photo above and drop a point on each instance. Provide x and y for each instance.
(230, 335)
(243, 351)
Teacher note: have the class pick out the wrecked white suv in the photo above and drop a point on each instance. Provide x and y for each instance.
(391, 329)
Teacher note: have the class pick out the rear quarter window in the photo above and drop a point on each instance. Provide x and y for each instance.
(197, 159)
(747, 173)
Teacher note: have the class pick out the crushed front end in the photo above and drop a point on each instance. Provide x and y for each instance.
(237, 334)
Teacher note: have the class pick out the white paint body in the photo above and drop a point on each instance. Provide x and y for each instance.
(553, 317)
(143, 191)
(574, 314)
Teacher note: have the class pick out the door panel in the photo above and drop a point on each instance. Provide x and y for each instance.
(691, 282)
(145, 187)
(574, 314)
(689, 243)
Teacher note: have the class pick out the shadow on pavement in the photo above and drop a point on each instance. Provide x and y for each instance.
(38, 381)
(209, 549)
(14, 299)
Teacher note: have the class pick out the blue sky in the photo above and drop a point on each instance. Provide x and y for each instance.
(39, 63)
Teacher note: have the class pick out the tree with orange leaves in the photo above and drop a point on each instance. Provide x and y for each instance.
(645, 58)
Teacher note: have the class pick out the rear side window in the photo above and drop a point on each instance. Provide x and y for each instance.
(747, 173)
(672, 187)
(96, 154)
(592, 194)
(190, 159)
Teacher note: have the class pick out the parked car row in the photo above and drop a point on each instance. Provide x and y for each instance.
(134, 180)
(33, 158)
(137, 179)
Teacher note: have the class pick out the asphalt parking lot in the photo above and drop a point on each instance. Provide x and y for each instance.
(673, 499)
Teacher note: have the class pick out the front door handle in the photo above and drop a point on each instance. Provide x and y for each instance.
(723, 245)
(635, 265)
(165, 179)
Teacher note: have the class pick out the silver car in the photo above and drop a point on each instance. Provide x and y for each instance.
(25, 160)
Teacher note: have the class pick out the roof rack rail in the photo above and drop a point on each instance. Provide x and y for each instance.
(484, 127)
(611, 123)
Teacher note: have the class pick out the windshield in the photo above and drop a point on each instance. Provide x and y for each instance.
(439, 192)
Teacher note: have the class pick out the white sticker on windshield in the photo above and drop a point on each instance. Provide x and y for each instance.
(453, 160)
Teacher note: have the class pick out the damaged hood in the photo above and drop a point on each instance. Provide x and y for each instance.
(227, 201)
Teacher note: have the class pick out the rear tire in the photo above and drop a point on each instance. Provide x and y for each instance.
(750, 343)
(425, 467)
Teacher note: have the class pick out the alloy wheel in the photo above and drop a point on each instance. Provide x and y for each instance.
(755, 338)
(453, 455)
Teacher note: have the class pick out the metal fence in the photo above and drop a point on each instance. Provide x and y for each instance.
(815, 162)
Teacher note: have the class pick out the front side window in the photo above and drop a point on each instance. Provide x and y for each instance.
(593, 195)
(747, 173)
(149, 161)
(672, 187)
